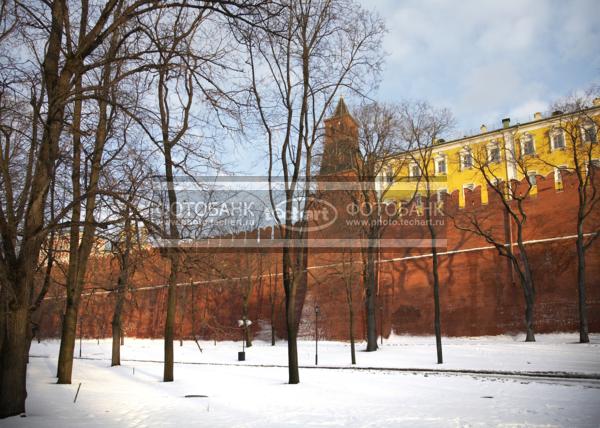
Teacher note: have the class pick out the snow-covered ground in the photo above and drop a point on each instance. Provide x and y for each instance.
(244, 395)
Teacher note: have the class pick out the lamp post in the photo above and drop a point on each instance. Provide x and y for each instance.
(243, 324)
(316, 335)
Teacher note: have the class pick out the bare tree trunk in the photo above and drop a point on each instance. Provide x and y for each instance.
(13, 358)
(272, 302)
(371, 296)
(436, 283)
(67, 342)
(289, 283)
(581, 291)
(272, 323)
(247, 290)
(117, 323)
(529, 304)
(248, 337)
(116, 338)
(293, 372)
(170, 320)
(352, 344)
(528, 286)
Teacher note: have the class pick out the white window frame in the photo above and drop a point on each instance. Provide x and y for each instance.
(494, 146)
(463, 153)
(412, 167)
(441, 192)
(557, 173)
(584, 133)
(437, 161)
(528, 138)
(553, 135)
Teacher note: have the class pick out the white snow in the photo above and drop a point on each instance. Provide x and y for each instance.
(243, 395)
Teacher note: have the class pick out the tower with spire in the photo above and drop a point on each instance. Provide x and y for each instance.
(341, 142)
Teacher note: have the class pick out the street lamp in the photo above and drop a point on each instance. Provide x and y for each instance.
(316, 335)
(244, 324)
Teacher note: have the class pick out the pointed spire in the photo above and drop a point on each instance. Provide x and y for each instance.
(341, 109)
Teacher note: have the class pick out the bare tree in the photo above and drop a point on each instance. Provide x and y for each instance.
(322, 47)
(376, 166)
(85, 187)
(422, 126)
(578, 127)
(274, 299)
(349, 270)
(64, 43)
(511, 196)
(131, 178)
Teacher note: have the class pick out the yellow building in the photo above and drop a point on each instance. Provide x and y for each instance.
(541, 147)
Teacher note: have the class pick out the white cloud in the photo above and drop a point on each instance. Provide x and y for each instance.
(489, 59)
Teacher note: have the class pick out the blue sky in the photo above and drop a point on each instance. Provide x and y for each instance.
(489, 59)
(482, 59)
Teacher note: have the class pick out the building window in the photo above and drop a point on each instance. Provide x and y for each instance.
(493, 153)
(440, 165)
(441, 193)
(558, 177)
(466, 159)
(527, 145)
(532, 175)
(557, 139)
(389, 175)
(589, 133)
(415, 171)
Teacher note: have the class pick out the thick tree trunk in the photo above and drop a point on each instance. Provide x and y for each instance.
(248, 337)
(437, 323)
(115, 359)
(584, 336)
(290, 316)
(117, 329)
(293, 372)
(371, 296)
(170, 320)
(436, 301)
(16, 314)
(13, 360)
(67, 343)
(529, 301)
(526, 278)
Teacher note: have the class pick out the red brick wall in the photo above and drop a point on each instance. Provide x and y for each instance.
(477, 294)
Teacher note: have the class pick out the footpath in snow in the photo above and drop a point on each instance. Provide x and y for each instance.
(551, 353)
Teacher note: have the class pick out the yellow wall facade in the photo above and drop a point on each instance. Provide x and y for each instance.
(513, 163)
